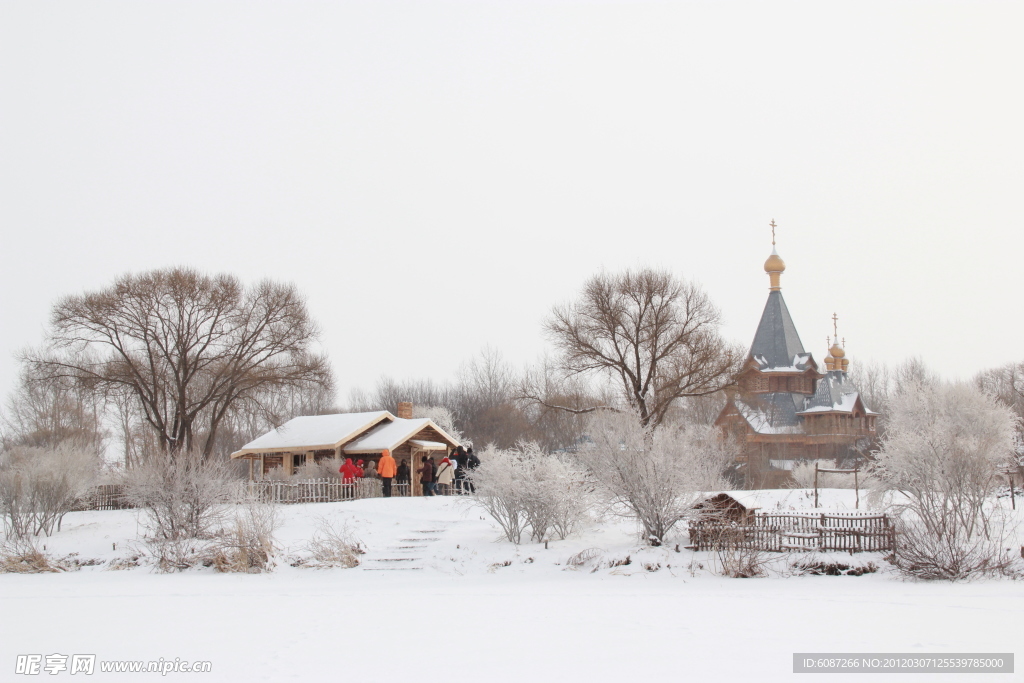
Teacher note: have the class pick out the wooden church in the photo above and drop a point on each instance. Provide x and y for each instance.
(786, 409)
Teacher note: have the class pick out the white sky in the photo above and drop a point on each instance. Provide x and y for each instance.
(435, 176)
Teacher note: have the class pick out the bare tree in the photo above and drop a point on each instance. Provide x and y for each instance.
(657, 336)
(44, 413)
(186, 347)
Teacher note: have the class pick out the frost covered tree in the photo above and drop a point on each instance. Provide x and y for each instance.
(525, 488)
(654, 335)
(937, 469)
(38, 486)
(440, 416)
(655, 474)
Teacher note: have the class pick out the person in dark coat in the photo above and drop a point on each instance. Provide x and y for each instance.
(458, 456)
(472, 462)
(403, 472)
(427, 476)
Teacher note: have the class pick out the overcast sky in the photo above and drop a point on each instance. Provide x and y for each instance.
(435, 176)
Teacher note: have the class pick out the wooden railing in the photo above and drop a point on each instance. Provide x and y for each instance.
(328, 490)
(105, 497)
(828, 531)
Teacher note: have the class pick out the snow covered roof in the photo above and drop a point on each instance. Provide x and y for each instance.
(315, 432)
(393, 435)
(775, 413)
(835, 393)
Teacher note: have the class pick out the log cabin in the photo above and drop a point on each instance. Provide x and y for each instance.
(314, 438)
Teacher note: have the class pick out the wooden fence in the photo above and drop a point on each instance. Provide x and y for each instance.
(105, 497)
(320, 490)
(112, 497)
(828, 531)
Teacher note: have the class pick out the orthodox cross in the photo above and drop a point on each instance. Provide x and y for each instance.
(835, 325)
(773, 231)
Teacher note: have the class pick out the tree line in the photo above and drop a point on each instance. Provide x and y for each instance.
(176, 360)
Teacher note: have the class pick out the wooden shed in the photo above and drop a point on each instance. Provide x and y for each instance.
(726, 508)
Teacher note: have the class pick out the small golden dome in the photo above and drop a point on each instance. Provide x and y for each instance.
(837, 351)
(774, 264)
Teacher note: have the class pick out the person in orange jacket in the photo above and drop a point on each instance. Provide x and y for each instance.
(387, 469)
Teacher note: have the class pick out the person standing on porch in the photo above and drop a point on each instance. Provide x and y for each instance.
(427, 476)
(445, 474)
(348, 471)
(387, 470)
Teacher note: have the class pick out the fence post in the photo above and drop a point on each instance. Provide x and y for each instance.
(815, 483)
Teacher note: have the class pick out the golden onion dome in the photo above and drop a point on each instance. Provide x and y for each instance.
(837, 351)
(774, 264)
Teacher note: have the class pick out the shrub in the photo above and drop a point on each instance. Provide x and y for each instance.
(525, 488)
(333, 546)
(38, 486)
(183, 497)
(23, 556)
(656, 475)
(248, 545)
(937, 472)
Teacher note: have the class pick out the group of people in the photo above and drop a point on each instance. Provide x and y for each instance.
(387, 470)
(450, 474)
(437, 479)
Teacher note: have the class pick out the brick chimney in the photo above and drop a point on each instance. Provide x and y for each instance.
(405, 410)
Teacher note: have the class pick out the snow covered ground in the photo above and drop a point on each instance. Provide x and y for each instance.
(439, 597)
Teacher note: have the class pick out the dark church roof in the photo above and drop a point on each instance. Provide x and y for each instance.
(835, 393)
(776, 341)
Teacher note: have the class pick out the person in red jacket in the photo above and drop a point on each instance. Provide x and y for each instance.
(348, 471)
(359, 469)
(387, 469)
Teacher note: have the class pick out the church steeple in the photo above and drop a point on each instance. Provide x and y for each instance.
(774, 266)
(838, 353)
(776, 340)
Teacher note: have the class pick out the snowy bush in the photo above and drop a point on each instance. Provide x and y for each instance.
(321, 469)
(740, 560)
(527, 488)
(248, 544)
(38, 486)
(333, 546)
(501, 484)
(655, 475)
(23, 556)
(937, 470)
(181, 497)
